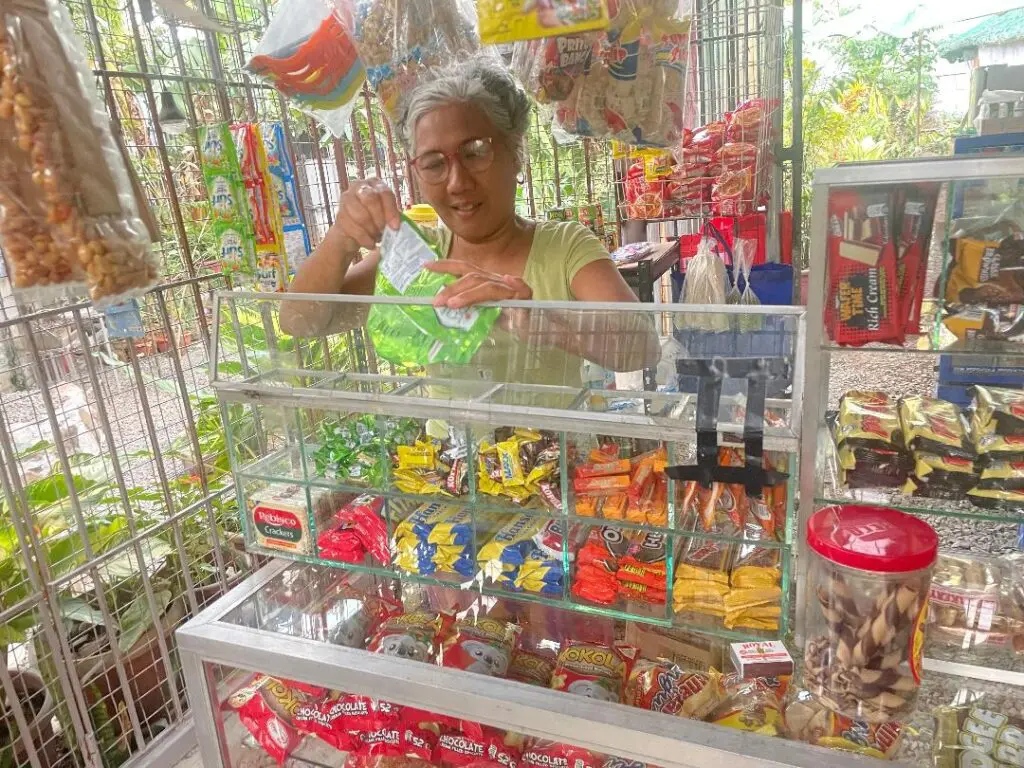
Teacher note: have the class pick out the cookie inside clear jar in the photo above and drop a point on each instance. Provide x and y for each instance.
(870, 569)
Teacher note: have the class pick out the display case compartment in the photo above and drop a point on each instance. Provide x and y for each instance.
(278, 623)
(971, 325)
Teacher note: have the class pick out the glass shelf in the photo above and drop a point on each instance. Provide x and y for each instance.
(916, 505)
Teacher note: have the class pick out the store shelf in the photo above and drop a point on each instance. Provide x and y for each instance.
(881, 497)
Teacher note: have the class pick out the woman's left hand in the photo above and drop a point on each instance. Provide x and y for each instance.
(476, 286)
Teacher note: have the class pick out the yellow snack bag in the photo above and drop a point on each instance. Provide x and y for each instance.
(505, 21)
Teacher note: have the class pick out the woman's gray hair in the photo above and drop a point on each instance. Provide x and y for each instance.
(481, 81)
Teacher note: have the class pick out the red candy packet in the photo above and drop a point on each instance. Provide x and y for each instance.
(540, 753)
(410, 636)
(267, 707)
(483, 645)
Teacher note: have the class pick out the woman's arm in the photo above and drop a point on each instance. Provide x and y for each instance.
(365, 209)
(619, 341)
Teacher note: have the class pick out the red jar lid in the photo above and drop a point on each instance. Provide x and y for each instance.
(872, 538)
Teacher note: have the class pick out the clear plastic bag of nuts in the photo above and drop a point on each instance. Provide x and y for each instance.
(68, 214)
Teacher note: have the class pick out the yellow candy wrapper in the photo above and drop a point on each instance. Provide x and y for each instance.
(504, 21)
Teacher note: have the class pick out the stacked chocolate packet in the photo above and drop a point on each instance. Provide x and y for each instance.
(935, 433)
(870, 441)
(997, 432)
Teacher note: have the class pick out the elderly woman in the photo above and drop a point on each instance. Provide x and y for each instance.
(465, 129)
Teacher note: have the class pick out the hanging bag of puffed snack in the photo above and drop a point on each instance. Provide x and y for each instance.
(401, 40)
(420, 333)
(234, 250)
(308, 54)
(506, 22)
(68, 213)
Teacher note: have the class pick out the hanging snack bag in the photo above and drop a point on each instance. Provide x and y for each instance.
(68, 211)
(420, 334)
(308, 54)
(267, 707)
(409, 636)
(402, 40)
(232, 229)
(481, 645)
(595, 671)
(863, 300)
(508, 22)
(264, 212)
(282, 175)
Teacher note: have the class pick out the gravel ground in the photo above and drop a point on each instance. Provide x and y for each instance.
(80, 421)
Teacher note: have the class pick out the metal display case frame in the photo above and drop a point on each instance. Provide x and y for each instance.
(615, 729)
(606, 728)
(820, 351)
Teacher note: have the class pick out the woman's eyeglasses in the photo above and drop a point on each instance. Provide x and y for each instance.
(476, 156)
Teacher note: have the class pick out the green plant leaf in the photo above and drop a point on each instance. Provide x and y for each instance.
(77, 609)
(136, 619)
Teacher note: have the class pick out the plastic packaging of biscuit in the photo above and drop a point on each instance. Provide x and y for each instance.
(410, 636)
(267, 707)
(533, 667)
(934, 426)
(661, 686)
(481, 645)
(973, 735)
(595, 671)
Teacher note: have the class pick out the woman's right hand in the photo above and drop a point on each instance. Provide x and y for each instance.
(366, 207)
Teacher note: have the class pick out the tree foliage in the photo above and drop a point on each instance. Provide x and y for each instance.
(871, 98)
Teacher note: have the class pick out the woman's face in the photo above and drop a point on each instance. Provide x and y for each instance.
(472, 205)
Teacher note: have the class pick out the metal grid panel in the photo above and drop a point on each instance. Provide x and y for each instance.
(121, 518)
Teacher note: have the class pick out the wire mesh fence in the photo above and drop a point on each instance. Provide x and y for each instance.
(119, 520)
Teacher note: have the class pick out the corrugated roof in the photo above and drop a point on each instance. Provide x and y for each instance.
(1006, 27)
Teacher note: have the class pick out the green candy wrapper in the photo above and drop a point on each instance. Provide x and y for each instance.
(421, 334)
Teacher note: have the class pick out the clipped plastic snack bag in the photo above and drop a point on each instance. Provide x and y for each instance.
(232, 229)
(506, 22)
(308, 54)
(421, 334)
(68, 212)
(297, 246)
(400, 40)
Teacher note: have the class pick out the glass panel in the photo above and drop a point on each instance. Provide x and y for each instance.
(926, 267)
(504, 475)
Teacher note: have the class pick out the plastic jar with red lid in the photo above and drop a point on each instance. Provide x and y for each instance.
(869, 572)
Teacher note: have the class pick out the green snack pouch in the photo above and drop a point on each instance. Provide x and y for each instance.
(228, 200)
(421, 334)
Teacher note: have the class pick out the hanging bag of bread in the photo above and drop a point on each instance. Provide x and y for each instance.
(68, 214)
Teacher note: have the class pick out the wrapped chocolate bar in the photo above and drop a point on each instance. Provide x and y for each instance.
(521, 465)
(595, 579)
(435, 462)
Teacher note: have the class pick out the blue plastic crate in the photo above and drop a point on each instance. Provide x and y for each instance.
(968, 369)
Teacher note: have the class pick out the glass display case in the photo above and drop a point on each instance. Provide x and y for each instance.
(531, 472)
(915, 368)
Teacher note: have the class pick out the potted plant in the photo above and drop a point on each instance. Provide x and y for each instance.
(33, 696)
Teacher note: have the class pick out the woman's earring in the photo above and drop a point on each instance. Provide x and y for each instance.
(521, 178)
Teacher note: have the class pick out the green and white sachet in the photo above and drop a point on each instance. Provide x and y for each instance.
(421, 334)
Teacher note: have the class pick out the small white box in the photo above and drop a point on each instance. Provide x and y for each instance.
(768, 658)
